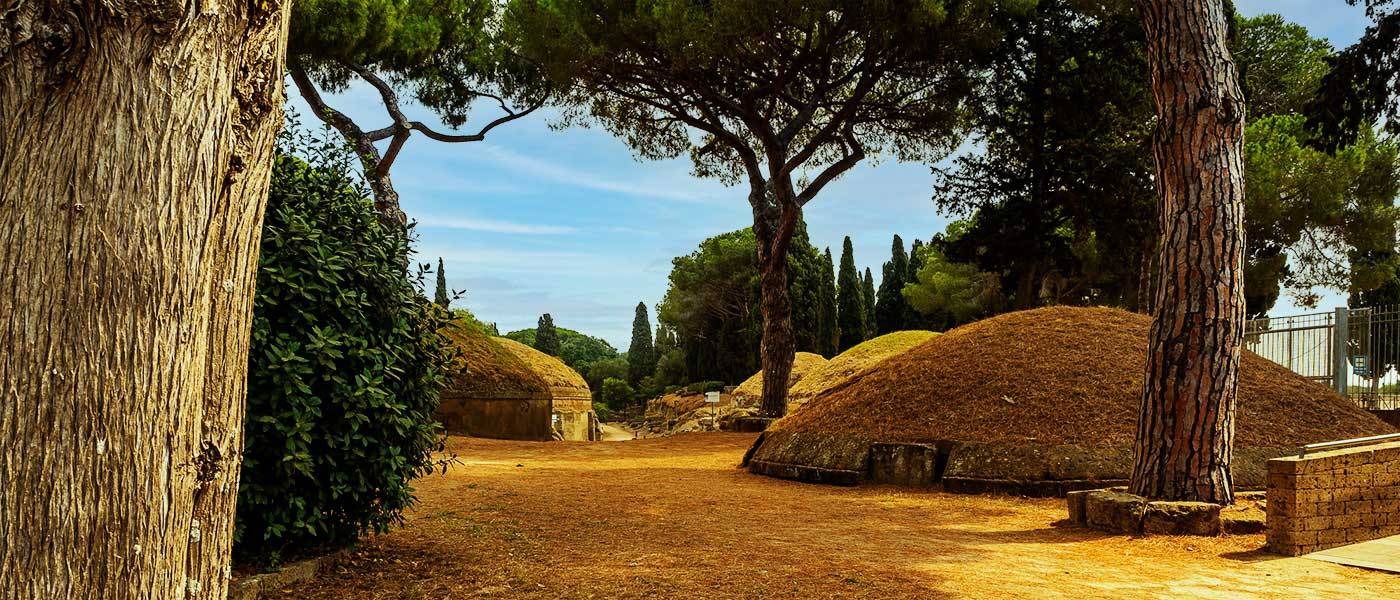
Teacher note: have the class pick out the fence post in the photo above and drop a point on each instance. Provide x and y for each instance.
(1341, 334)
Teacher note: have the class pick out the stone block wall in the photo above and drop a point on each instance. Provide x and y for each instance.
(1335, 498)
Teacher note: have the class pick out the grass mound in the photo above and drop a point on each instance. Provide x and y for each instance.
(489, 369)
(803, 363)
(852, 362)
(552, 370)
(1057, 376)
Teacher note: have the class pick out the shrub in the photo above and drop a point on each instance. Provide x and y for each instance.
(705, 386)
(345, 368)
(616, 393)
(604, 413)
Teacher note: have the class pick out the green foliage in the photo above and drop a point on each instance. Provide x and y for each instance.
(600, 370)
(440, 297)
(641, 355)
(890, 306)
(546, 336)
(850, 300)
(1362, 85)
(616, 394)
(867, 293)
(827, 323)
(578, 350)
(462, 314)
(1280, 65)
(1060, 203)
(604, 413)
(1306, 211)
(1059, 198)
(346, 364)
(948, 293)
(712, 305)
(701, 387)
(670, 363)
(912, 318)
(444, 54)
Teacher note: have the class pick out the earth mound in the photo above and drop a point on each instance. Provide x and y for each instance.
(852, 362)
(751, 390)
(1044, 396)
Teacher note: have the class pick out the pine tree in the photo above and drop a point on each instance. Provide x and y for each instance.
(912, 318)
(441, 297)
(890, 306)
(827, 325)
(850, 300)
(867, 292)
(641, 355)
(546, 336)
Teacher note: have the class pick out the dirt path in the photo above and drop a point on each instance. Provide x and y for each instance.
(672, 517)
(613, 433)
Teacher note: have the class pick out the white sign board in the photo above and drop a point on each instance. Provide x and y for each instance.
(712, 397)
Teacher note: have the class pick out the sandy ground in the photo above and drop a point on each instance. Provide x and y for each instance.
(673, 517)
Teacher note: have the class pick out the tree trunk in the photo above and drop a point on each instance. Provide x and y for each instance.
(1186, 425)
(135, 149)
(773, 230)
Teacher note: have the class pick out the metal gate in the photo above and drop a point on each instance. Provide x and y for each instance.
(1363, 364)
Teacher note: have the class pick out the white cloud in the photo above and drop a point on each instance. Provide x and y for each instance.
(681, 189)
(492, 225)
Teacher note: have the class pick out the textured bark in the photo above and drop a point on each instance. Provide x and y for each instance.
(135, 150)
(773, 230)
(1186, 425)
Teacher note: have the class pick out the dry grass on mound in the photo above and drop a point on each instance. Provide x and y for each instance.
(1057, 376)
(802, 364)
(552, 370)
(488, 366)
(853, 361)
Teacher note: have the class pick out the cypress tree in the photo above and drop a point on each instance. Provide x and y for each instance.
(546, 336)
(441, 298)
(826, 324)
(890, 306)
(850, 300)
(641, 355)
(867, 293)
(913, 319)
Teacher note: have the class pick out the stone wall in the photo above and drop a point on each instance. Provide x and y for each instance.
(1330, 499)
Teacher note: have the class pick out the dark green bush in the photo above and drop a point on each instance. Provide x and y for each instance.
(616, 394)
(345, 367)
(705, 386)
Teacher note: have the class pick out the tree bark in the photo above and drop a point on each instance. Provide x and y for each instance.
(135, 149)
(1186, 424)
(773, 230)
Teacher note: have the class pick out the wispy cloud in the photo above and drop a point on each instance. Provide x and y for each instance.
(492, 225)
(669, 190)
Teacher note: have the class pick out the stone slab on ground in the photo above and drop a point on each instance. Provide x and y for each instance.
(252, 586)
(1181, 518)
(1116, 511)
(1382, 554)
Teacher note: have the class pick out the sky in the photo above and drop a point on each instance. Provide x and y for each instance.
(536, 220)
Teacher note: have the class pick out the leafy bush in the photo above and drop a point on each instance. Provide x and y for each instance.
(616, 394)
(604, 413)
(345, 368)
(705, 386)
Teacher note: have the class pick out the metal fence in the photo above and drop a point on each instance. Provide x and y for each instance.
(1363, 364)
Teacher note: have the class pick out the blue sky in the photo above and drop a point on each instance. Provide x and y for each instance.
(535, 220)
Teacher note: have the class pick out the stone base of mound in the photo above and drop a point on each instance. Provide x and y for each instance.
(1021, 469)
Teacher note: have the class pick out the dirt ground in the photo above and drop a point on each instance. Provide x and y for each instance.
(673, 517)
